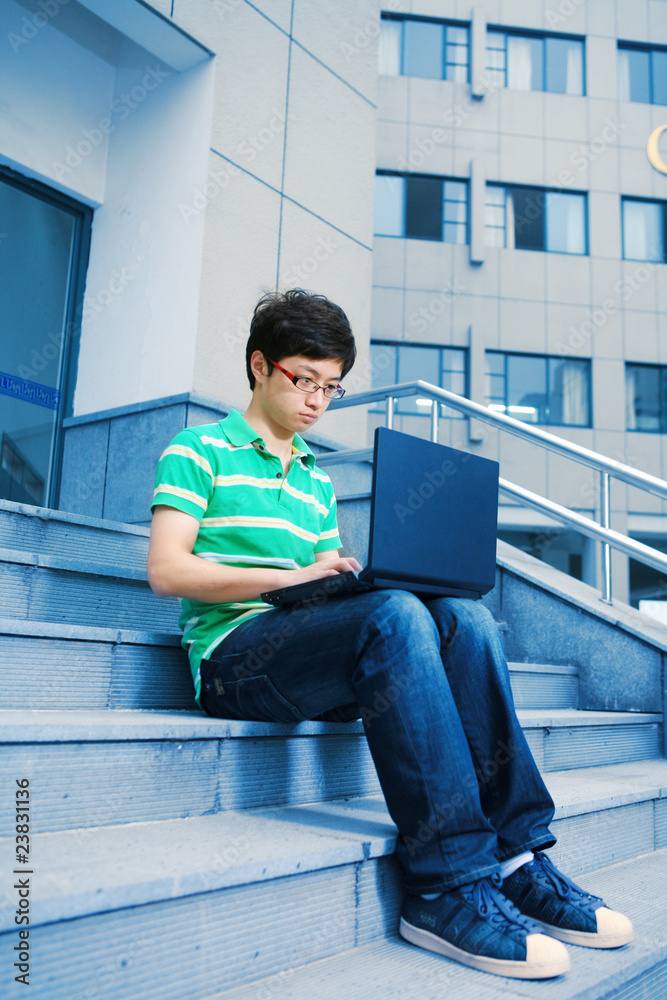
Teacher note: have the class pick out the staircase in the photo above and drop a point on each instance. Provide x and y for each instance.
(176, 856)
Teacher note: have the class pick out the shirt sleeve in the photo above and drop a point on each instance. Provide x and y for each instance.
(329, 537)
(184, 478)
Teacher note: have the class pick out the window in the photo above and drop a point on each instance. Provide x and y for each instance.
(559, 547)
(535, 62)
(646, 398)
(539, 389)
(646, 583)
(527, 218)
(421, 208)
(642, 74)
(411, 46)
(44, 241)
(392, 363)
(644, 227)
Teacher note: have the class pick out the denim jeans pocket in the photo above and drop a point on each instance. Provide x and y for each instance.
(254, 698)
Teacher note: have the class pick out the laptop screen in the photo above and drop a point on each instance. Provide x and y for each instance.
(434, 513)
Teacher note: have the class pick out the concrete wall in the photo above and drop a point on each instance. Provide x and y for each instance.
(291, 166)
(109, 457)
(227, 149)
(94, 114)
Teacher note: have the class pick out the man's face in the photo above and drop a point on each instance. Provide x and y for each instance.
(291, 407)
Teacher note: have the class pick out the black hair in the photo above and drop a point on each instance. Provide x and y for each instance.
(299, 322)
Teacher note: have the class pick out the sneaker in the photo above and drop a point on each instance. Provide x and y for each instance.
(476, 925)
(562, 909)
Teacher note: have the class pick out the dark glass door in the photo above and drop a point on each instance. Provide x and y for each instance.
(43, 254)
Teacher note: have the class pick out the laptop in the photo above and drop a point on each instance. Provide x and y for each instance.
(433, 523)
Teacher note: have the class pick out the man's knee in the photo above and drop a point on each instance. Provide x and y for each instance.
(465, 617)
(404, 609)
(474, 614)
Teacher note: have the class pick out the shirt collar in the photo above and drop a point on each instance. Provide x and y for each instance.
(239, 432)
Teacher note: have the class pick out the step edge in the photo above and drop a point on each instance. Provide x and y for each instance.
(84, 520)
(112, 571)
(372, 954)
(27, 726)
(543, 668)
(178, 725)
(582, 718)
(33, 628)
(338, 848)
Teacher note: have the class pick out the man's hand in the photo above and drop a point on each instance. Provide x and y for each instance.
(327, 564)
(174, 571)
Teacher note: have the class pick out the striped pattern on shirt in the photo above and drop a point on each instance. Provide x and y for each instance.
(224, 475)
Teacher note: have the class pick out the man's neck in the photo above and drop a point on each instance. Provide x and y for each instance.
(277, 440)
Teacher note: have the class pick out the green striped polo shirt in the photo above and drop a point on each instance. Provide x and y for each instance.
(224, 475)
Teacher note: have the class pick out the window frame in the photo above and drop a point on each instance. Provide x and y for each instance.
(547, 358)
(444, 200)
(445, 411)
(541, 191)
(662, 402)
(445, 23)
(496, 29)
(650, 50)
(645, 201)
(81, 239)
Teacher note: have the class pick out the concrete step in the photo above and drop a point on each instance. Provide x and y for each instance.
(72, 536)
(395, 970)
(349, 478)
(564, 738)
(57, 588)
(539, 685)
(95, 667)
(59, 665)
(175, 908)
(94, 768)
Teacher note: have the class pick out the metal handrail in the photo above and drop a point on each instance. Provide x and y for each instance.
(607, 467)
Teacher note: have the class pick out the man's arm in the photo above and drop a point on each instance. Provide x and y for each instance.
(174, 571)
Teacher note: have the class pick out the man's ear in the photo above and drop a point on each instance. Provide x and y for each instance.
(259, 366)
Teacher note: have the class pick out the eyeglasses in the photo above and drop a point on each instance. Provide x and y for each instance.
(307, 384)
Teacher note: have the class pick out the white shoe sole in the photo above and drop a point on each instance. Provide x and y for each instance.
(544, 969)
(587, 940)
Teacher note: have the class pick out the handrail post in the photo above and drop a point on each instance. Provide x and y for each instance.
(435, 426)
(390, 412)
(605, 511)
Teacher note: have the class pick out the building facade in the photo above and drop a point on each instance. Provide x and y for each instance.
(161, 166)
(520, 246)
(481, 186)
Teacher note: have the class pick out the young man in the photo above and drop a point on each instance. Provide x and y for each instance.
(241, 508)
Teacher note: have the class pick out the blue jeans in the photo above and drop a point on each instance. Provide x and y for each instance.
(431, 685)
